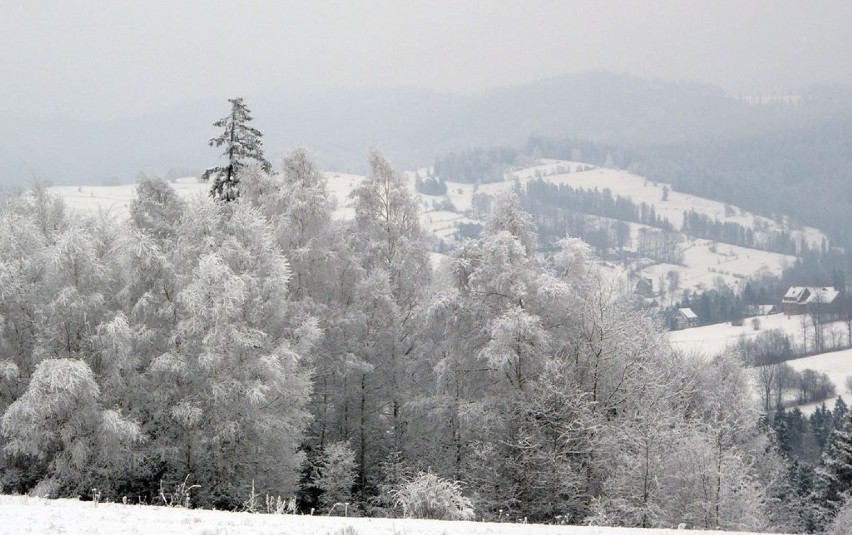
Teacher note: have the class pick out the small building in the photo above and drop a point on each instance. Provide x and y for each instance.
(763, 310)
(685, 318)
(802, 299)
(646, 288)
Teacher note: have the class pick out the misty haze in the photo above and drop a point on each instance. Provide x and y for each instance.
(476, 267)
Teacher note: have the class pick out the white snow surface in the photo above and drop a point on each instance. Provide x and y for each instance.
(714, 339)
(837, 365)
(27, 515)
(115, 200)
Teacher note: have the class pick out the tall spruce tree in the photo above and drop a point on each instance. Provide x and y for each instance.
(243, 148)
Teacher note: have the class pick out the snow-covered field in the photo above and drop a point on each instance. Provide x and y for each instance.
(115, 200)
(714, 339)
(837, 365)
(25, 515)
(706, 262)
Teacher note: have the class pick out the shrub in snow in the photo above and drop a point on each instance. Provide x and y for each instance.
(432, 497)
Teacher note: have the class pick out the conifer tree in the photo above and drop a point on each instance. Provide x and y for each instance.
(834, 478)
(243, 147)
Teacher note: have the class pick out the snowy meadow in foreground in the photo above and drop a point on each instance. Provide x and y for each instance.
(20, 514)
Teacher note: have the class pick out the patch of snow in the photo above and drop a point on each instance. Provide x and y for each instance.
(837, 365)
(21, 514)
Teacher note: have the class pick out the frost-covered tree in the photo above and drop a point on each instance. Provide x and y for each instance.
(233, 386)
(430, 496)
(842, 523)
(297, 203)
(156, 207)
(516, 433)
(58, 422)
(393, 255)
(335, 474)
(243, 147)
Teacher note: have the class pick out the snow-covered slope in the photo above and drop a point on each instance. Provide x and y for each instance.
(639, 189)
(704, 262)
(25, 515)
(714, 339)
(837, 365)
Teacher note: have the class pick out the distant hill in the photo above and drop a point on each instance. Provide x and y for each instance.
(412, 126)
(770, 156)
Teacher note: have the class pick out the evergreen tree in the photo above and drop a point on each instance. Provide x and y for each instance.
(833, 484)
(335, 475)
(243, 147)
(839, 413)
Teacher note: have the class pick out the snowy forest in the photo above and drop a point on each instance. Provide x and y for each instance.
(250, 344)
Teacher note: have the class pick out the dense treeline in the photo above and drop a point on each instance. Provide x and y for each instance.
(250, 344)
(247, 342)
(599, 219)
(476, 166)
(595, 202)
(816, 450)
(802, 173)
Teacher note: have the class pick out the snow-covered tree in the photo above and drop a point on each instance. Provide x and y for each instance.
(430, 496)
(335, 475)
(517, 434)
(156, 207)
(833, 486)
(243, 147)
(57, 421)
(393, 255)
(297, 203)
(233, 385)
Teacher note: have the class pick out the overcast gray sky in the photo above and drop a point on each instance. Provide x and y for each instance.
(111, 57)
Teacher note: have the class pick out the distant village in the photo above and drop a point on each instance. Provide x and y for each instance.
(822, 303)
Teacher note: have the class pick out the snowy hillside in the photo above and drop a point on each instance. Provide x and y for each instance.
(704, 262)
(639, 189)
(837, 365)
(714, 339)
(23, 515)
